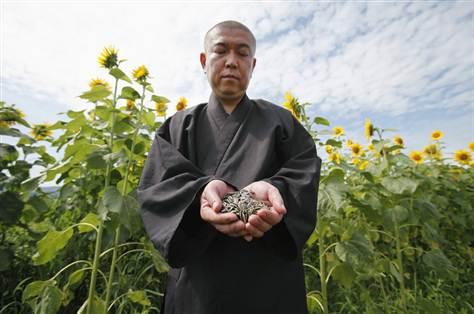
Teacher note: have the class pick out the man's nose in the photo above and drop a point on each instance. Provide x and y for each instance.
(231, 60)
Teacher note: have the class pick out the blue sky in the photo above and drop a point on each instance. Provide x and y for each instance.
(404, 65)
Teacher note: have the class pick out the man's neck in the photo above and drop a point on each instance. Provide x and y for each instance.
(229, 105)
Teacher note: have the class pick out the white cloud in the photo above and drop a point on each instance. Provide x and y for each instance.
(347, 58)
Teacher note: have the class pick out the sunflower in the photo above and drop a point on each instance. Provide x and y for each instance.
(130, 104)
(349, 142)
(471, 146)
(416, 156)
(369, 129)
(462, 156)
(371, 147)
(10, 116)
(398, 140)
(335, 157)
(140, 74)
(182, 103)
(328, 148)
(161, 108)
(432, 151)
(99, 82)
(291, 103)
(338, 131)
(41, 131)
(355, 161)
(108, 58)
(363, 165)
(356, 149)
(436, 135)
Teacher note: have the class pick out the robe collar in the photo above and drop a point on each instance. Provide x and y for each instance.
(220, 116)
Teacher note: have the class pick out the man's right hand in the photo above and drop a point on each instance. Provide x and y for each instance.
(211, 205)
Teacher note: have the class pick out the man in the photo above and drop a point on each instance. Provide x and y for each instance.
(220, 264)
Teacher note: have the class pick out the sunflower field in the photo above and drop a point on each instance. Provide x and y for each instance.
(394, 234)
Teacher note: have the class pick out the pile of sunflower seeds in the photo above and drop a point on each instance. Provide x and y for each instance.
(241, 203)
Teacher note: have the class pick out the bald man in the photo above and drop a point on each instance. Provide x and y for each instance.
(220, 264)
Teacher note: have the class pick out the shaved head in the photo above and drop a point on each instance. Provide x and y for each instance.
(229, 25)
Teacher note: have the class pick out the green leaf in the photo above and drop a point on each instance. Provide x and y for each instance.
(97, 306)
(96, 93)
(91, 219)
(130, 214)
(399, 185)
(397, 214)
(95, 160)
(356, 249)
(51, 300)
(6, 258)
(8, 152)
(39, 204)
(76, 277)
(11, 207)
(120, 75)
(43, 296)
(395, 273)
(112, 201)
(14, 133)
(436, 260)
(334, 143)
(148, 118)
(139, 296)
(344, 274)
(50, 245)
(33, 290)
(129, 93)
(321, 121)
(125, 187)
(428, 306)
(160, 264)
(314, 302)
(150, 88)
(160, 99)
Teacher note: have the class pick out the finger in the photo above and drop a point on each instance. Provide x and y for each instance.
(242, 233)
(254, 232)
(233, 228)
(259, 223)
(208, 214)
(275, 198)
(213, 199)
(248, 238)
(269, 216)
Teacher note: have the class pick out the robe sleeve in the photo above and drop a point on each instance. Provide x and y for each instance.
(297, 181)
(169, 194)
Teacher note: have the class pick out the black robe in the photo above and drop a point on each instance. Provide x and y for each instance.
(213, 273)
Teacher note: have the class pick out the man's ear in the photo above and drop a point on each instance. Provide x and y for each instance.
(202, 58)
(254, 63)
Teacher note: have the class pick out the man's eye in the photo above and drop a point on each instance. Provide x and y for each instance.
(244, 53)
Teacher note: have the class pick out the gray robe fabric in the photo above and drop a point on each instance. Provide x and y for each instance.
(213, 273)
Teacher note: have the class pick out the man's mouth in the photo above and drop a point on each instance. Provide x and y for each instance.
(229, 76)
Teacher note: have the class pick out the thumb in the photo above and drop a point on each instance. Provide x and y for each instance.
(275, 198)
(217, 205)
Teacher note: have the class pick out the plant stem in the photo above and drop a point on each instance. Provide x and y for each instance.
(98, 242)
(124, 191)
(322, 271)
(400, 265)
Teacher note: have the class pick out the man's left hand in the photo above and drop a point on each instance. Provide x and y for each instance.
(264, 219)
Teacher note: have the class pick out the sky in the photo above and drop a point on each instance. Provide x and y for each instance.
(407, 66)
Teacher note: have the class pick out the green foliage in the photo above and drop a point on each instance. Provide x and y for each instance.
(391, 236)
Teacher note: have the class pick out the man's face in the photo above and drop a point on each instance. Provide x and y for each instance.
(228, 62)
